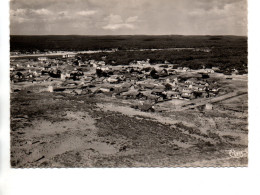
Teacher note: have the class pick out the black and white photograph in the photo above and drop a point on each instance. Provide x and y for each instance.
(120, 84)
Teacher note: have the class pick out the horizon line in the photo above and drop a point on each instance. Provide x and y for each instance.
(124, 35)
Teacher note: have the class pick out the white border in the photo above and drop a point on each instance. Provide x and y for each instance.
(133, 181)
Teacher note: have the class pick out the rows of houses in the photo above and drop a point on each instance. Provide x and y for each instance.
(144, 86)
(136, 81)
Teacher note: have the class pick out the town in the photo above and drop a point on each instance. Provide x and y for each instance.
(140, 80)
(108, 107)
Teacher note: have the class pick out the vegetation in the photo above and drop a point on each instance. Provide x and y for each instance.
(225, 59)
(79, 43)
(225, 52)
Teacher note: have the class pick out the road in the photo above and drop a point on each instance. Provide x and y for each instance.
(214, 100)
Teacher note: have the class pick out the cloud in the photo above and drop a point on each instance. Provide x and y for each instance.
(86, 13)
(132, 19)
(118, 26)
(18, 12)
(41, 11)
(62, 13)
(27, 15)
(19, 15)
(21, 20)
(116, 22)
(114, 19)
(129, 17)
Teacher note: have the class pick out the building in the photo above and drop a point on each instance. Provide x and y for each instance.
(173, 94)
(186, 93)
(190, 81)
(68, 56)
(186, 69)
(42, 58)
(209, 106)
(208, 70)
(101, 63)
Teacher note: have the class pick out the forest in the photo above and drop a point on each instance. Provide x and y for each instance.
(225, 52)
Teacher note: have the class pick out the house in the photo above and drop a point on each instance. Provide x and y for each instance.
(147, 85)
(215, 89)
(186, 93)
(215, 68)
(186, 69)
(104, 90)
(160, 93)
(176, 80)
(121, 89)
(195, 87)
(101, 63)
(208, 70)
(132, 94)
(68, 56)
(146, 107)
(42, 58)
(92, 62)
(46, 70)
(202, 88)
(234, 71)
(190, 81)
(173, 94)
(162, 73)
(113, 79)
(63, 77)
(209, 106)
(142, 62)
(171, 72)
(151, 97)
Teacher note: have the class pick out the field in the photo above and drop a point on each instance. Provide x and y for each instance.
(127, 116)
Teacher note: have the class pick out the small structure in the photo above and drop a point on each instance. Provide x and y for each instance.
(208, 70)
(173, 94)
(209, 106)
(101, 63)
(68, 56)
(162, 73)
(63, 77)
(186, 69)
(112, 79)
(50, 88)
(186, 93)
(42, 58)
(190, 81)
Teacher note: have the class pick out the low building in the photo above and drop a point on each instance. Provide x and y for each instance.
(190, 81)
(101, 63)
(186, 93)
(42, 58)
(112, 80)
(173, 94)
(208, 70)
(209, 106)
(132, 94)
(68, 56)
(186, 69)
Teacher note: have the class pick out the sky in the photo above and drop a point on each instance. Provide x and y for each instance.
(128, 17)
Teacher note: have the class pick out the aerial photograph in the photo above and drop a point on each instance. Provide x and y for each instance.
(137, 83)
